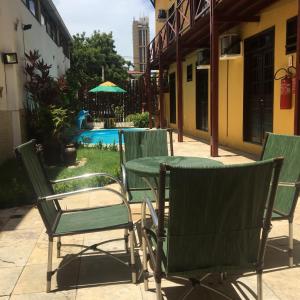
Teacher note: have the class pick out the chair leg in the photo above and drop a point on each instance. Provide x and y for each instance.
(49, 267)
(132, 257)
(145, 262)
(159, 295)
(126, 240)
(291, 244)
(259, 286)
(58, 246)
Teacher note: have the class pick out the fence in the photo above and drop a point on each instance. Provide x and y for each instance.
(119, 106)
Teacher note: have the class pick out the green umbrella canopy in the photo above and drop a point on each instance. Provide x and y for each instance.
(107, 87)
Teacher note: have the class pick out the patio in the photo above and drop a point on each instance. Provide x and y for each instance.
(23, 256)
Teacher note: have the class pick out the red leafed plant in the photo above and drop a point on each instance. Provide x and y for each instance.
(42, 88)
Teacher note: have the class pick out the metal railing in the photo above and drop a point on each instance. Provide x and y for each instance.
(182, 19)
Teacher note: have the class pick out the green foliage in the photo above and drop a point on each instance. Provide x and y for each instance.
(89, 55)
(50, 103)
(140, 120)
(96, 161)
(60, 118)
(15, 189)
(109, 147)
(118, 111)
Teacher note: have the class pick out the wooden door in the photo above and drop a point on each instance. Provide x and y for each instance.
(202, 99)
(172, 84)
(258, 86)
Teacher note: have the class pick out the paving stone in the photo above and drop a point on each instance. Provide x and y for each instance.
(68, 295)
(15, 253)
(21, 235)
(97, 276)
(33, 278)
(110, 292)
(8, 279)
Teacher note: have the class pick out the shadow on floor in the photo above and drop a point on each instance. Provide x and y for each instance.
(231, 287)
(95, 270)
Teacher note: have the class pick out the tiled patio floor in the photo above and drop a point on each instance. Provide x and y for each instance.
(23, 257)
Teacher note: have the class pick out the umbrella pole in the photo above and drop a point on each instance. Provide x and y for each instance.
(123, 109)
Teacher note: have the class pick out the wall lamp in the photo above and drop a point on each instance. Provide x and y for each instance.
(10, 58)
(26, 27)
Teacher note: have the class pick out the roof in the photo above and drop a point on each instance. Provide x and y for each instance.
(52, 10)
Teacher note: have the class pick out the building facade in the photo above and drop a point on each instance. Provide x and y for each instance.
(249, 98)
(141, 39)
(26, 25)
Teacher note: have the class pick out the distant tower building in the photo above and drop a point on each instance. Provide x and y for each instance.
(141, 39)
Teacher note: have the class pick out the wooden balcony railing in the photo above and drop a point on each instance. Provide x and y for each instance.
(185, 15)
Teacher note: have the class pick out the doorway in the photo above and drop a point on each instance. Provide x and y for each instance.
(202, 99)
(258, 86)
(172, 86)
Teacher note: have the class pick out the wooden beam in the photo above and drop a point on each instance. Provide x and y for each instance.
(149, 88)
(297, 98)
(214, 82)
(161, 92)
(236, 19)
(179, 79)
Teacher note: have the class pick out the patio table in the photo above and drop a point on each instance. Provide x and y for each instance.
(148, 167)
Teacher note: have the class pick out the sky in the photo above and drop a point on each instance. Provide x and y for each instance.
(106, 15)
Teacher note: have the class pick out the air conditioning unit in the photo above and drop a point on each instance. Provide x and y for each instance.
(203, 58)
(162, 15)
(230, 46)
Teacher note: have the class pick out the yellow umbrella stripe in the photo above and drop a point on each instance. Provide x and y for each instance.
(107, 83)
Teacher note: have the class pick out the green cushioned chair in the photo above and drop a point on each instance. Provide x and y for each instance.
(216, 222)
(137, 144)
(289, 181)
(60, 223)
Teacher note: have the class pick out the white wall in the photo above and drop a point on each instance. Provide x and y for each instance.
(13, 13)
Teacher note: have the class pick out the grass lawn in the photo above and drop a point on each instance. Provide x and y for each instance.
(16, 190)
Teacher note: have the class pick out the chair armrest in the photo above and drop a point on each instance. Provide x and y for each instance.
(124, 176)
(289, 184)
(89, 175)
(152, 212)
(78, 192)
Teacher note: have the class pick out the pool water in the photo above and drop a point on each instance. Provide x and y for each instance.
(104, 136)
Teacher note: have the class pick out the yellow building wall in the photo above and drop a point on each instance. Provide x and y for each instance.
(161, 4)
(231, 83)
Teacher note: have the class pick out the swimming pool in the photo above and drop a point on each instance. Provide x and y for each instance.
(104, 136)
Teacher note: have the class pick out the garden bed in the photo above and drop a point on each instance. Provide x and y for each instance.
(15, 189)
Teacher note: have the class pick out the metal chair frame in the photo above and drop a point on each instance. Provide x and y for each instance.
(50, 228)
(122, 166)
(158, 220)
(288, 217)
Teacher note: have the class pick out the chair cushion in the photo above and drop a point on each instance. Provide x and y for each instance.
(101, 218)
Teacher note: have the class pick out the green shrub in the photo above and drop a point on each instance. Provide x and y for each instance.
(15, 189)
(140, 120)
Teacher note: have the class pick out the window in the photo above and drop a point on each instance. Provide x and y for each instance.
(140, 37)
(43, 21)
(189, 73)
(291, 35)
(31, 6)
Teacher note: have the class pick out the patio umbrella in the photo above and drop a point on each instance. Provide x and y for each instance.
(107, 87)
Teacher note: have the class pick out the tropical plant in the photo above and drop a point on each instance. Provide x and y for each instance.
(140, 120)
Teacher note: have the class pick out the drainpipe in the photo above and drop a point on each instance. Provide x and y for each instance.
(297, 98)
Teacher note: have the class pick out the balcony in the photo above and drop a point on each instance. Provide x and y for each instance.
(190, 22)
